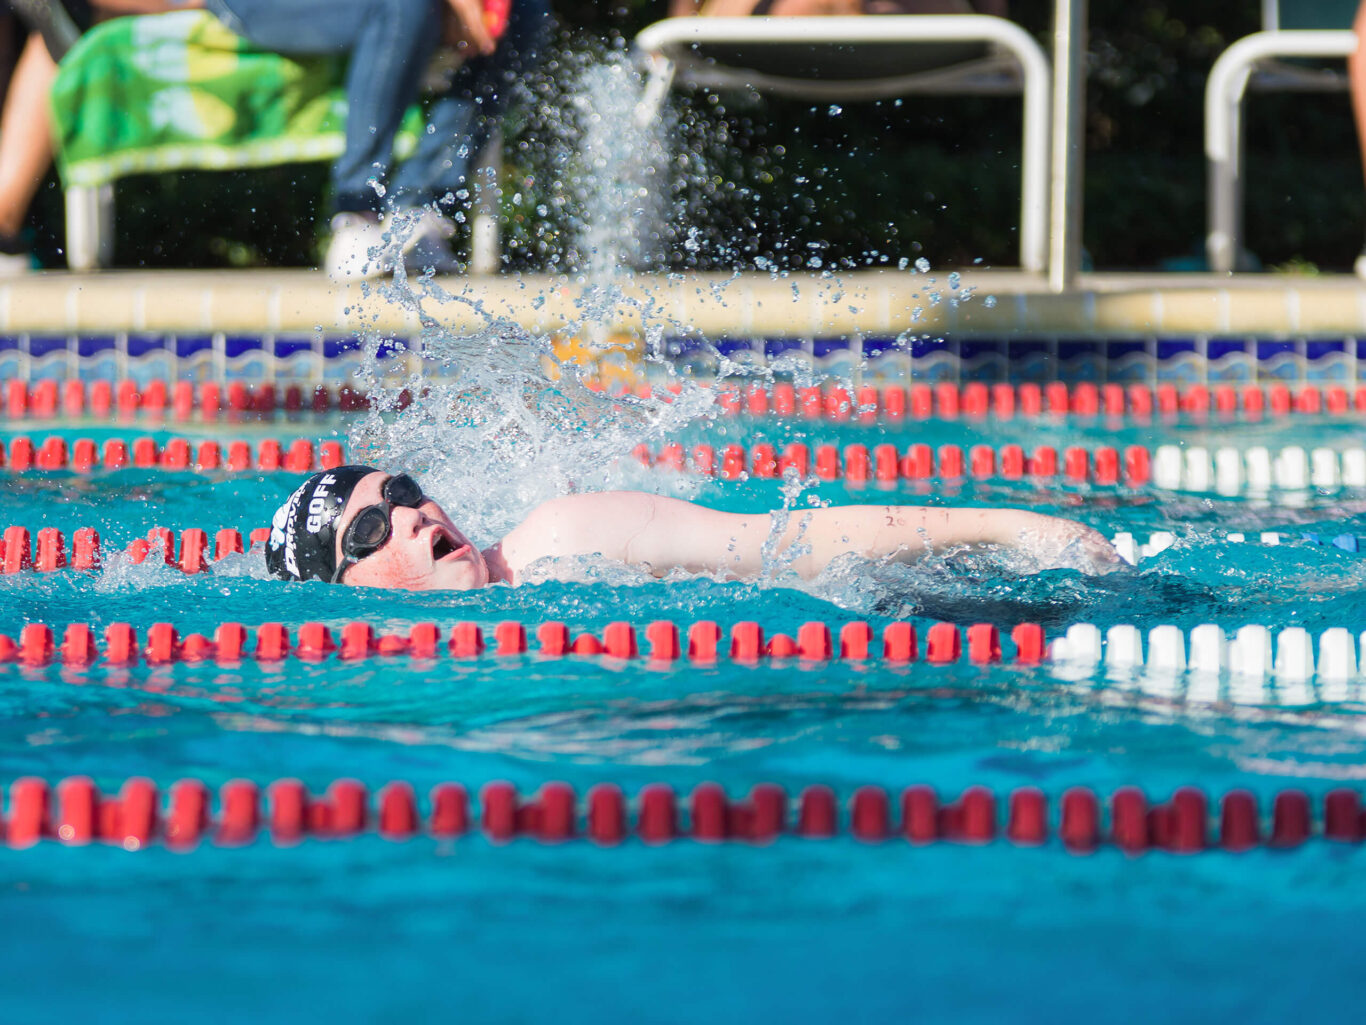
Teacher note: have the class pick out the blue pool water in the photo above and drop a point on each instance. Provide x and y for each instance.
(373, 931)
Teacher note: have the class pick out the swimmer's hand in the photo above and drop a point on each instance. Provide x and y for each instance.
(1056, 543)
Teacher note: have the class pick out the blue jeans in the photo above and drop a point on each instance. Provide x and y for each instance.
(390, 43)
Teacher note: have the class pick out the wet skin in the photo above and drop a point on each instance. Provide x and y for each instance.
(425, 550)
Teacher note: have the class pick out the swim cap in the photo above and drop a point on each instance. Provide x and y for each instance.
(303, 533)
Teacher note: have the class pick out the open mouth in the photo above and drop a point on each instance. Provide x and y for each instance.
(444, 547)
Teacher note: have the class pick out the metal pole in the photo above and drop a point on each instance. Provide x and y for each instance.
(1069, 138)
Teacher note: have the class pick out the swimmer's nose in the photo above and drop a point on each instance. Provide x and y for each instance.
(407, 522)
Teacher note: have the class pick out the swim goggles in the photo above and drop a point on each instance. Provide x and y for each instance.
(372, 526)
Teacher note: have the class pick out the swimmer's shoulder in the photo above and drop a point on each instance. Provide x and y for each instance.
(553, 528)
(576, 525)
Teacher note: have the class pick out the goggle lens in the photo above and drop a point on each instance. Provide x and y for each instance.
(402, 491)
(368, 531)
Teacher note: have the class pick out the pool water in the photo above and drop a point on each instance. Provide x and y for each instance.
(370, 930)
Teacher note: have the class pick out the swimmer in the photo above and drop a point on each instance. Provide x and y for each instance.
(360, 526)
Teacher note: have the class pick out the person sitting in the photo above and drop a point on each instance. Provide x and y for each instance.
(25, 150)
(390, 44)
(26, 123)
(360, 526)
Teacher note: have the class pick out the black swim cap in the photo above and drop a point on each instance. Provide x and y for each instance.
(303, 534)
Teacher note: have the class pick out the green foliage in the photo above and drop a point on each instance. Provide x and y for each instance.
(931, 176)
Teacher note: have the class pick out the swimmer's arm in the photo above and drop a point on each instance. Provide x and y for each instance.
(903, 533)
(900, 532)
(664, 534)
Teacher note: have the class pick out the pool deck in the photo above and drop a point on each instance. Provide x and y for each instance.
(883, 302)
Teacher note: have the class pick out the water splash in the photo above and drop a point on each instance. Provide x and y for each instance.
(498, 420)
(618, 174)
(500, 417)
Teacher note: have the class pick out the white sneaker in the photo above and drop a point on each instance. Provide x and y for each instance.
(363, 247)
(12, 265)
(1360, 265)
(359, 249)
(428, 246)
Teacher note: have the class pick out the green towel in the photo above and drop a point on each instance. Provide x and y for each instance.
(163, 92)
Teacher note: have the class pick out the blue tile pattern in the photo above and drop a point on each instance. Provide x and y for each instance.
(1080, 359)
(335, 358)
(1328, 362)
(192, 346)
(49, 356)
(774, 348)
(874, 348)
(297, 357)
(338, 348)
(1230, 361)
(40, 346)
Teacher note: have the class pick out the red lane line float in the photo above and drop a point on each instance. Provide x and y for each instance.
(1226, 469)
(975, 400)
(178, 400)
(196, 555)
(836, 403)
(75, 813)
(86, 552)
(857, 465)
(1300, 661)
(299, 455)
(664, 643)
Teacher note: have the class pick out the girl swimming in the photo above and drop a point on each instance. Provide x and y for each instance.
(358, 525)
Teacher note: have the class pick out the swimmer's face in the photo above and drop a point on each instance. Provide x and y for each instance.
(425, 551)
